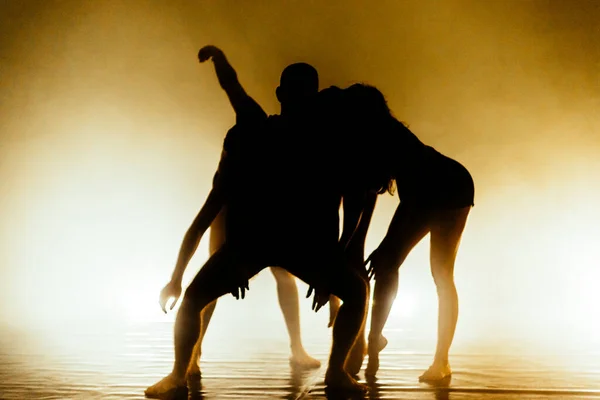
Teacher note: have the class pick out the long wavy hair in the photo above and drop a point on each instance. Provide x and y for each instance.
(371, 126)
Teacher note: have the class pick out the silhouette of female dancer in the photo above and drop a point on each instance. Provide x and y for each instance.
(436, 195)
(298, 80)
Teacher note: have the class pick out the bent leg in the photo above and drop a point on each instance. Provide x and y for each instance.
(287, 292)
(352, 289)
(216, 241)
(205, 317)
(411, 225)
(446, 232)
(334, 308)
(355, 259)
(213, 281)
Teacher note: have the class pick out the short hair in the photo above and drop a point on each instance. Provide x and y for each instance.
(300, 76)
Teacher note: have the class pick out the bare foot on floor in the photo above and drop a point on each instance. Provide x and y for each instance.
(357, 356)
(167, 388)
(342, 381)
(303, 360)
(372, 365)
(437, 372)
(193, 373)
(375, 347)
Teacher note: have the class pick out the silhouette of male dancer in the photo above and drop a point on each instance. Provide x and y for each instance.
(297, 81)
(286, 216)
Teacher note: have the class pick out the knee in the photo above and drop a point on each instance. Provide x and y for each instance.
(444, 281)
(388, 274)
(194, 302)
(358, 295)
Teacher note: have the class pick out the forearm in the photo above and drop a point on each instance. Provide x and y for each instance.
(228, 79)
(209, 211)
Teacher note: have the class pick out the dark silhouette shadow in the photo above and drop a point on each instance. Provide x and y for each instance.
(195, 389)
(441, 388)
(335, 394)
(274, 218)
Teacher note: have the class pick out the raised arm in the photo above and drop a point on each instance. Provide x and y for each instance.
(243, 105)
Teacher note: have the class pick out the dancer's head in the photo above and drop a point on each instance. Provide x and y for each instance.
(370, 130)
(298, 85)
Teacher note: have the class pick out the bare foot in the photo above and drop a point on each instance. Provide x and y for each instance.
(303, 360)
(437, 372)
(341, 380)
(167, 388)
(372, 365)
(381, 343)
(375, 347)
(193, 373)
(356, 357)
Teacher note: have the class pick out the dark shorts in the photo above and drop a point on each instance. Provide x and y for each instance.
(446, 184)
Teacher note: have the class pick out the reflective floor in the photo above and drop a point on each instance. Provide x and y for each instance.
(119, 360)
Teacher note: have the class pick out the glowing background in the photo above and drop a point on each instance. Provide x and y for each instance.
(111, 132)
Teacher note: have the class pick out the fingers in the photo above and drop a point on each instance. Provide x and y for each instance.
(165, 300)
(162, 300)
(371, 262)
(240, 290)
(174, 302)
(207, 52)
(310, 290)
(319, 305)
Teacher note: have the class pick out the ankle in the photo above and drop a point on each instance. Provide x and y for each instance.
(298, 350)
(441, 361)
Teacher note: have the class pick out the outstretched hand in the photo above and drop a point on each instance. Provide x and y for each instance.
(321, 298)
(172, 291)
(240, 284)
(207, 52)
(240, 290)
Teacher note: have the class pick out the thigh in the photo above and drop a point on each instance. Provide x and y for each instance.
(217, 232)
(409, 226)
(222, 273)
(447, 227)
(280, 274)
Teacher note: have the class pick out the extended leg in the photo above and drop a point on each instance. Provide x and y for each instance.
(217, 239)
(446, 232)
(212, 282)
(353, 290)
(287, 292)
(205, 317)
(408, 227)
(355, 258)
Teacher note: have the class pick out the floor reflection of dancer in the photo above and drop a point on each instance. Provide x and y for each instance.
(297, 81)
